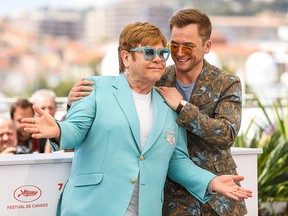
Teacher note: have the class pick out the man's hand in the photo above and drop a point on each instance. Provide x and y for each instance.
(225, 184)
(171, 96)
(80, 89)
(42, 126)
(8, 151)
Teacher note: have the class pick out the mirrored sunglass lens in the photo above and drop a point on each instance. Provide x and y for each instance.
(187, 50)
(164, 54)
(174, 48)
(149, 53)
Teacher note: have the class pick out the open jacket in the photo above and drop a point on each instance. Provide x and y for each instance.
(212, 119)
(104, 131)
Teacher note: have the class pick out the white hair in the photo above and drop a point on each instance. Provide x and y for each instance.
(4, 119)
(45, 93)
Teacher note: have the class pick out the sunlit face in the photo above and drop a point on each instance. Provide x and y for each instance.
(8, 137)
(47, 104)
(18, 115)
(188, 36)
(144, 71)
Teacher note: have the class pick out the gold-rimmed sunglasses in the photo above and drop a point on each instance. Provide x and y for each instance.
(187, 50)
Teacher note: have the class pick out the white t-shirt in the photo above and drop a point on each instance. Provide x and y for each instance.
(144, 109)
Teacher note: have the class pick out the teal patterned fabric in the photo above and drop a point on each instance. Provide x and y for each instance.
(212, 119)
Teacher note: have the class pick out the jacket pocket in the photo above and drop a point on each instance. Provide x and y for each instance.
(87, 179)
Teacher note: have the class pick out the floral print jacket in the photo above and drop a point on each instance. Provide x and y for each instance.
(212, 119)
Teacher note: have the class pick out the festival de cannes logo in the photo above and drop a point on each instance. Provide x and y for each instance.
(27, 193)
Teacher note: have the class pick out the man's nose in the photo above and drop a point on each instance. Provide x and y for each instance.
(5, 137)
(157, 58)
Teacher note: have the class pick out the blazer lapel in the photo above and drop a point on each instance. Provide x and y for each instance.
(160, 110)
(124, 97)
(204, 79)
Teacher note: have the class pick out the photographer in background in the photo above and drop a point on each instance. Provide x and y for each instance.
(22, 108)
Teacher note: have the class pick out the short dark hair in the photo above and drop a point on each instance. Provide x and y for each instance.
(192, 16)
(22, 103)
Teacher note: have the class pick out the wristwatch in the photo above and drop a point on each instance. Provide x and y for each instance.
(181, 105)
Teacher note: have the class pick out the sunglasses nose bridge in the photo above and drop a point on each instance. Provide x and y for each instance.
(157, 57)
(163, 54)
(183, 50)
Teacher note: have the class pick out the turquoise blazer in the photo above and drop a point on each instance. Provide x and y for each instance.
(103, 129)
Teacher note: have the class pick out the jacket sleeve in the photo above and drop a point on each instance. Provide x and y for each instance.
(183, 171)
(218, 120)
(78, 121)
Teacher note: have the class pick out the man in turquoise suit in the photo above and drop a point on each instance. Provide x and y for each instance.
(126, 140)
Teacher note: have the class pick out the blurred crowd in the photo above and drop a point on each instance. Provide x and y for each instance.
(13, 138)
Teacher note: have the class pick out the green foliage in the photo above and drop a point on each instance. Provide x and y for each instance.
(63, 89)
(272, 137)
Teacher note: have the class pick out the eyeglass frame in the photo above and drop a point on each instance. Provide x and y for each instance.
(188, 47)
(144, 48)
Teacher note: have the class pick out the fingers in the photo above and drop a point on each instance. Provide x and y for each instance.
(83, 88)
(75, 96)
(30, 127)
(32, 130)
(239, 192)
(232, 196)
(28, 121)
(9, 150)
(237, 178)
(38, 110)
(80, 90)
(81, 94)
(84, 83)
(248, 193)
(245, 190)
(241, 195)
(161, 89)
(37, 135)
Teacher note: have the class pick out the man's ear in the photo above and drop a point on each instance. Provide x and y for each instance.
(207, 47)
(125, 55)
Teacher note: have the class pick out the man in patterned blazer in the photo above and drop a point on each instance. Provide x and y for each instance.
(209, 106)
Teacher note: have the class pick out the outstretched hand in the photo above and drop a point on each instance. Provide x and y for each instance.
(226, 185)
(42, 126)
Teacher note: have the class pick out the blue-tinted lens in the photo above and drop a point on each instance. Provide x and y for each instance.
(149, 53)
(163, 53)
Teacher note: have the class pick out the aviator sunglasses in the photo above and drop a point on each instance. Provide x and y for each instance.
(150, 52)
(187, 50)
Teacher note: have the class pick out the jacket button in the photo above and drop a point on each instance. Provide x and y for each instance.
(142, 158)
(133, 181)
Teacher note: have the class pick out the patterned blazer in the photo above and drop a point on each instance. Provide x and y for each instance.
(212, 119)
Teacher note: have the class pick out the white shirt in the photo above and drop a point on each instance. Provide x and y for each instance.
(144, 107)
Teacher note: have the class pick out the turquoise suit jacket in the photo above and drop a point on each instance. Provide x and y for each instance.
(103, 128)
